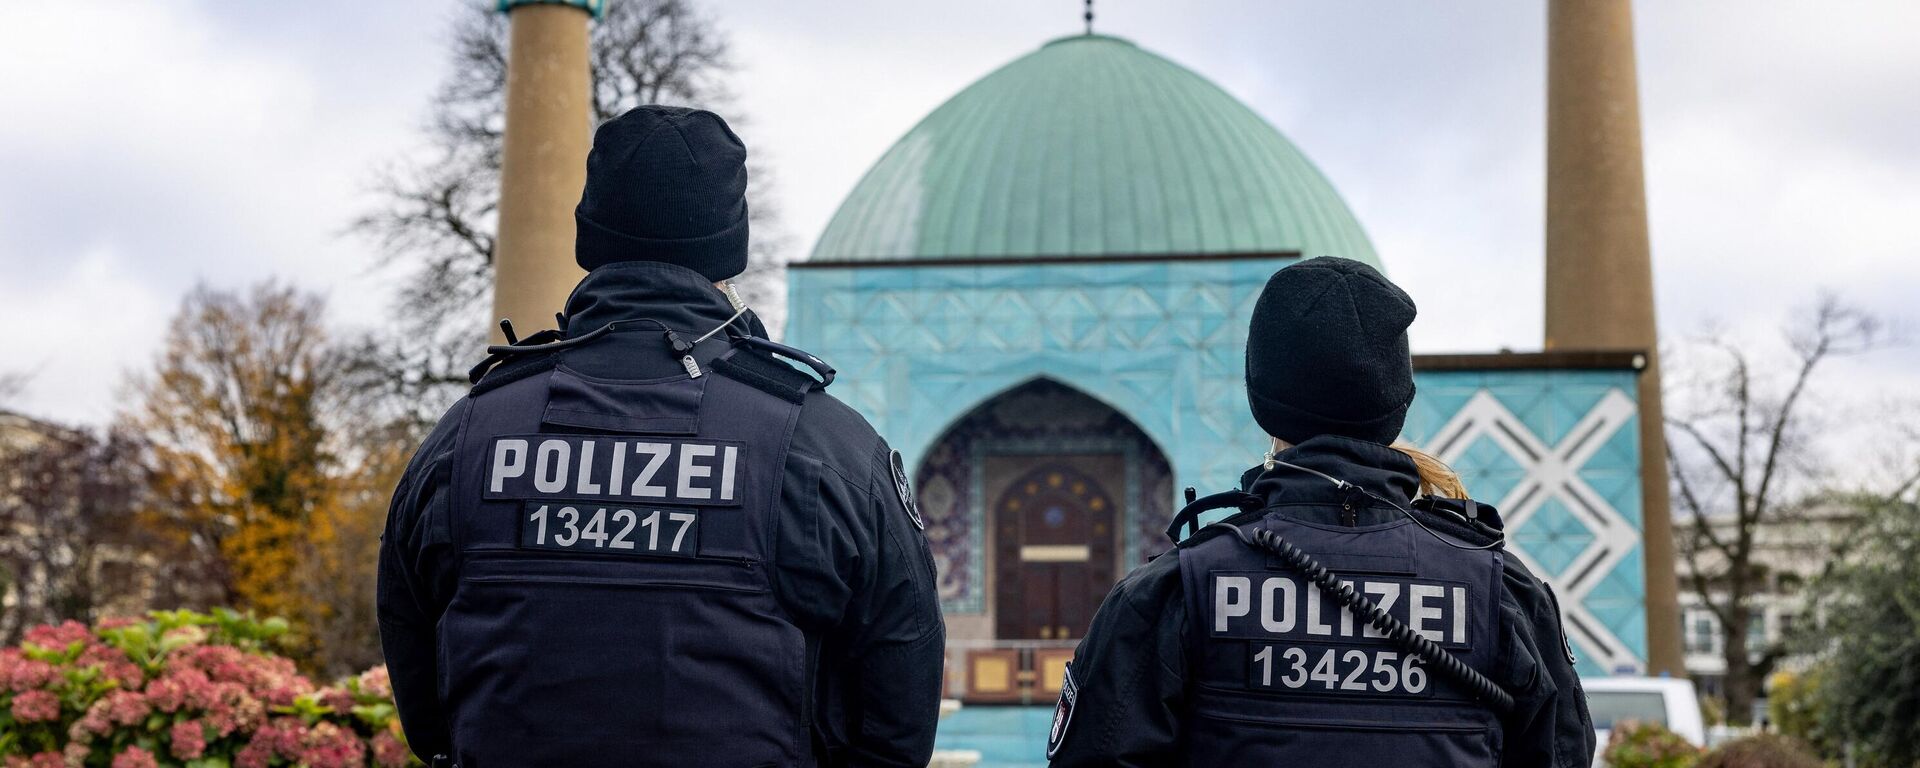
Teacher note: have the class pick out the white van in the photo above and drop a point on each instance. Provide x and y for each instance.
(1671, 702)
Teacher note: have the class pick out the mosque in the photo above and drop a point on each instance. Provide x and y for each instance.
(1040, 296)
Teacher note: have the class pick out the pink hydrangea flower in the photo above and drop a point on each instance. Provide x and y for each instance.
(279, 736)
(114, 664)
(36, 706)
(135, 757)
(337, 699)
(388, 752)
(253, 755)
(223, 696)
(127, 707)
(91, 725)
(27, 674)
(42, 760)
(326, 745)
(375, 682)
(188, 739)
(59, 636)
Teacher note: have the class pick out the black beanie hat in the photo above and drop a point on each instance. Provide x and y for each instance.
(665, 184)
(1327, 353)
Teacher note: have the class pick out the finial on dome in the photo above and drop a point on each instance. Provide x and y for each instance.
(1089, 17)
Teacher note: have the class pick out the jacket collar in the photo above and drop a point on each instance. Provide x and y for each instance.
(1375, 467)
(679, 297)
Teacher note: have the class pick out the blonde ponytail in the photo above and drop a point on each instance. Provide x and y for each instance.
(1436, 478)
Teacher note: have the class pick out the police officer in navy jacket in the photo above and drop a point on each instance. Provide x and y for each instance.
(1237, 647)
(652, 538)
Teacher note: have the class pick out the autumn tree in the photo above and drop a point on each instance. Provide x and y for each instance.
(243, 414)
(377, 436)
(437, 218)
(1742, 462)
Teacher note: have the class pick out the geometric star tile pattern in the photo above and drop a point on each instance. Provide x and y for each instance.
(1162, 342)
(1552, 536)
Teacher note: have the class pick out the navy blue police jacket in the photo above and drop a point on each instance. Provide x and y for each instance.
(598, 558)
(1215, 654)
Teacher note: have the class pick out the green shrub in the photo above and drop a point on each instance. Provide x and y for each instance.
(1648, 745)
(185, 689)
(1796, 707)
(1763, 751)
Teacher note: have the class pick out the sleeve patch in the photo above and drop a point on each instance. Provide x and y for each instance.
(905, 488)
(1062, 712)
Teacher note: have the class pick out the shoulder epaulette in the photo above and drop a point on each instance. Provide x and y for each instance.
(1190, 514)
(1474, 512)
(756, 362)
(499, 373)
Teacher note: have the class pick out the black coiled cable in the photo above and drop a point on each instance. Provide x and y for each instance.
(1383, 622)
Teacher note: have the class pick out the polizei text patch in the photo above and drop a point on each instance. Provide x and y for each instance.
(1303, 641)
(605, 468)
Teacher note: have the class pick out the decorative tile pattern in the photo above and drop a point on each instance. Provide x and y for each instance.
(950, 483)
(1162, 342)
(1553, 536)
(1557, 453)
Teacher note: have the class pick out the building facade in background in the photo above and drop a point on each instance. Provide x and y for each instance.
(1040, 295)
(1789, 553)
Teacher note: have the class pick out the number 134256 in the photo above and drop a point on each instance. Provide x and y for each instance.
(1337, 671)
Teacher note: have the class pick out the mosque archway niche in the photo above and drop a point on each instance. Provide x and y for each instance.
(1037, 500)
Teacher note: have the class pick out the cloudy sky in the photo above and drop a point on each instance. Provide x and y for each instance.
(150, 144)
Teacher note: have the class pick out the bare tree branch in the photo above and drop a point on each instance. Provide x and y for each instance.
(1743, 433)
(435, 220)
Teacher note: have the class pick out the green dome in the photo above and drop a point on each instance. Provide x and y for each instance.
(1091, 147)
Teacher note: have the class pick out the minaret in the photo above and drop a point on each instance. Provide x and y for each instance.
(544, 163)
(1599, 265)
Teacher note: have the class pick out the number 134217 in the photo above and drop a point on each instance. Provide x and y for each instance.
(610, 530)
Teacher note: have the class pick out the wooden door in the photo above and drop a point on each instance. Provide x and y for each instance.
(1054, 552)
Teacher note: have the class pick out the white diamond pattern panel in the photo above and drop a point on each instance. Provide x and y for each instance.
(1552, 472)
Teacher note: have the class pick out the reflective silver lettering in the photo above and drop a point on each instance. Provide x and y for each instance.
(1346, 616)
(1385, 594)
(509, 460)
(656, 456)
(618, 472)
(1225, 604)
(550, 466)
(690, 470)
(586, 484)
(1460, 614)
(1277, 592)
(1419, 613)
(726, 472)
(1314, 625)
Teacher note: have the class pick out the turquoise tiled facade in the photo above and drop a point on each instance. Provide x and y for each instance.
(1101, 217)
(1162, 342)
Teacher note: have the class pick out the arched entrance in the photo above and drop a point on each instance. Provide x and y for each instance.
(1054, 540)
(1036, 502)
